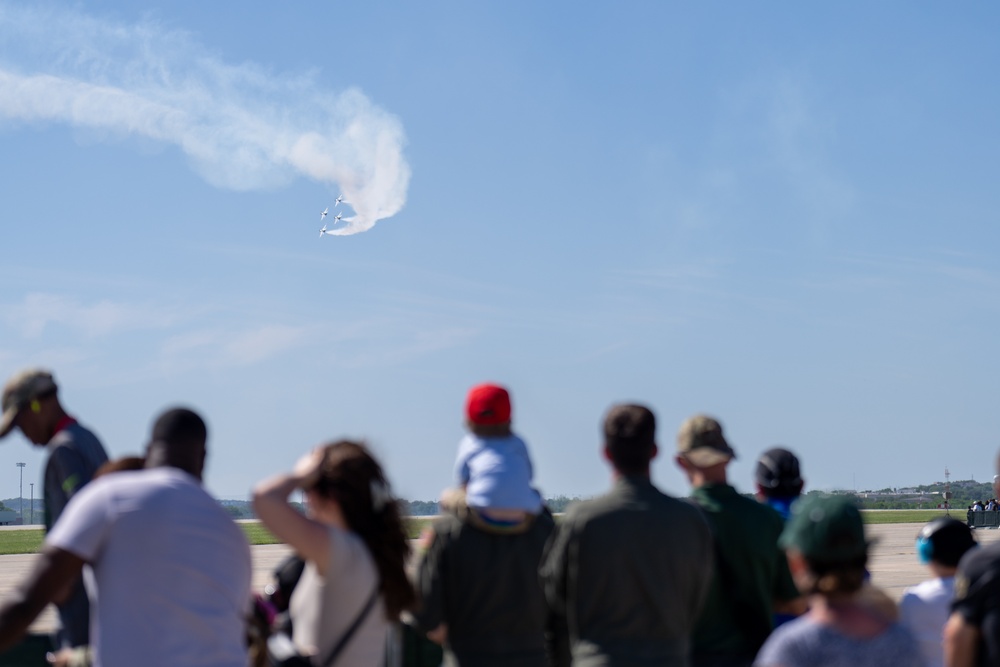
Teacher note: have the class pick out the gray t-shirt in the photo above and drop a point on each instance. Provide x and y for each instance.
(805, 643)
(75, 454)
(322, 609)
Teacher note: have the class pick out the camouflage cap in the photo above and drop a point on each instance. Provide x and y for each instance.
(701, 442)
(22, 388)
(826, 529)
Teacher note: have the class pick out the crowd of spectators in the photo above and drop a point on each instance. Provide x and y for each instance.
(984, 506)
(631, 577)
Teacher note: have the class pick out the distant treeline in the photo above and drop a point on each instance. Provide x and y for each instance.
(930, 496)
(241, 509)
(964, 493)
(430, 507)
(15, 505)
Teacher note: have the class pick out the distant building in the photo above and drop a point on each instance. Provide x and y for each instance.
(904, 496)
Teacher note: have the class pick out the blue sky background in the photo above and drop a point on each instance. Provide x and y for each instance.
(781, 215)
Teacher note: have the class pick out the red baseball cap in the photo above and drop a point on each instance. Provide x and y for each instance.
(488, 405)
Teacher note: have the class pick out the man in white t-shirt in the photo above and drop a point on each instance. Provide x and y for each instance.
(924, 608)
(172, 570)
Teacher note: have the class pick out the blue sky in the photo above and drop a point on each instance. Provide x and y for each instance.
(781, 215)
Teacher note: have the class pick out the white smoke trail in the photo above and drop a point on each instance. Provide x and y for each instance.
(242, 127)
(346, 230)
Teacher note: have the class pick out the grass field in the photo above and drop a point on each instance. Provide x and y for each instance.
(257, 534)
(21, 541)
(907, 516)
(416, 525)
(30, 541)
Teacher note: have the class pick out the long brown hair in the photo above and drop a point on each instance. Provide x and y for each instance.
(352, 477)
(833, 578)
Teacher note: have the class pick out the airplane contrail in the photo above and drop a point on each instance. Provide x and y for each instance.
(242, 126)
(342, 231)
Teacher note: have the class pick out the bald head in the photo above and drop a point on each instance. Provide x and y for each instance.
(178, 441)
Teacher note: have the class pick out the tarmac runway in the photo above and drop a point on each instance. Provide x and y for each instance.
(894, 565)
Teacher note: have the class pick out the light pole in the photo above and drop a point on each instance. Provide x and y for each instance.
(31, 507)
(20, 489)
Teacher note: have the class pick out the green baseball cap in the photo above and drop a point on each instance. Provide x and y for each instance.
(826, 529)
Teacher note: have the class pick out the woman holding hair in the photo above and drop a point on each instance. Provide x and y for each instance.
(355, 550)
(827, 554)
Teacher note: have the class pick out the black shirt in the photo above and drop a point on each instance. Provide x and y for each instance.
(977, 599)
(482, 581)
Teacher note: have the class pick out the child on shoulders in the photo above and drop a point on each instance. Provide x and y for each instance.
(493, 466)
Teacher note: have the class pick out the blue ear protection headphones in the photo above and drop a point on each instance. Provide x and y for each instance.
(943, 540)
(925, 549)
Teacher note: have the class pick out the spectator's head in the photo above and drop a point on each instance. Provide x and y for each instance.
(351, 477)
(178, 441)
(942, 543)
(702, 450)
(630, 438)
(825, 541)
(31, 404)
(778, 475)
(352, 487)
(487, 410)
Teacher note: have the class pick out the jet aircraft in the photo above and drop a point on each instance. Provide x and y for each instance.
(322, 231)
(339, 199)
(322, 215)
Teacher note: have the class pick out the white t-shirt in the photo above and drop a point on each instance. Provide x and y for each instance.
(924, 610)
(322, 609)
(171, 568)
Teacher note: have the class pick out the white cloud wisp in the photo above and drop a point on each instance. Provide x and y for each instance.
(241, 126)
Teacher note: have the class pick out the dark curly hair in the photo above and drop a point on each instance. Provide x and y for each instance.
(352, 477)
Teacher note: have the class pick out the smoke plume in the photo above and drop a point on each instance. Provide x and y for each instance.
(241, 126)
